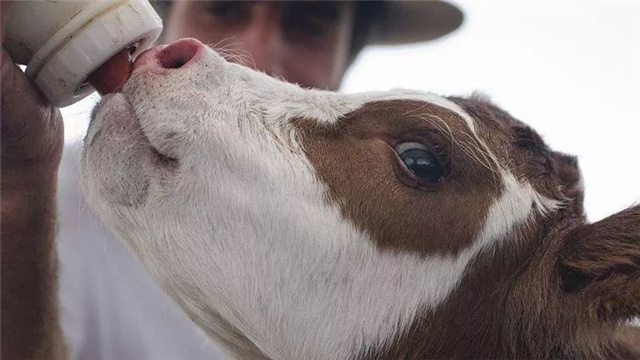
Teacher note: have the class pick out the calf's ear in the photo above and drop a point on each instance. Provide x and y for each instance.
(601, 262)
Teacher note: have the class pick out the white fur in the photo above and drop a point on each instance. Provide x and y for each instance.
(514, 207)
(243, 230)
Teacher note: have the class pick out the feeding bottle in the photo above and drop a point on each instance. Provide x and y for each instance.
(62, 42)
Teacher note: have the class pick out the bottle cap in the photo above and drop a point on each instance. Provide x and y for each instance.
(100, 30)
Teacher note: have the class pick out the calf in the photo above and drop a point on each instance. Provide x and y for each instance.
(303, 224)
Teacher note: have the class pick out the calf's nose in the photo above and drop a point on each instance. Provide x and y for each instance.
(176, 55)
(179, 53)
(111, 76)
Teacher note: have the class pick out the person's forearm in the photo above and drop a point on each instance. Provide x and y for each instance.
(30, 324)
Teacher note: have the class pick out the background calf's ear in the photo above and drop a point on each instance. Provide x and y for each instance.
(601, 261)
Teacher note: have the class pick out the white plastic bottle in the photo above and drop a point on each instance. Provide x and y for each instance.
(63, 41)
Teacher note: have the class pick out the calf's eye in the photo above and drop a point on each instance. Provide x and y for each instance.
(421, 162)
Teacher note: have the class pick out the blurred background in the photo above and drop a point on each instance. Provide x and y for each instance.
(569, 69)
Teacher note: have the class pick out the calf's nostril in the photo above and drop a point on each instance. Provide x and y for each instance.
(179, 53)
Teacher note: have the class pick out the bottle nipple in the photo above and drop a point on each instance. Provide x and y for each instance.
(111, 76)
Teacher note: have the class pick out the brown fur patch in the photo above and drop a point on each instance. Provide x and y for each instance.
(606, 257)
(356, 159)
(511, 303)
(522, 151)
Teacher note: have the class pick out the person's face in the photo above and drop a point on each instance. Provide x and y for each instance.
(304, 42)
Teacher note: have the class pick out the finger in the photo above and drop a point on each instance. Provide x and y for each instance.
(31, 128)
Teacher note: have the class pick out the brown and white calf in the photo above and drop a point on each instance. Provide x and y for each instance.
(303, 224)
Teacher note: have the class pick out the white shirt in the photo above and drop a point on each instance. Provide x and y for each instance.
(110, 307)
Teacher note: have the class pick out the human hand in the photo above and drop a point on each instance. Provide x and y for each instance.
(31, 148)
(31, 128)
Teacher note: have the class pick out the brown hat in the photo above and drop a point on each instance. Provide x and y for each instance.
(403, 22)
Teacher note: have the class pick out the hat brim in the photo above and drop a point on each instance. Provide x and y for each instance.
(404, 22)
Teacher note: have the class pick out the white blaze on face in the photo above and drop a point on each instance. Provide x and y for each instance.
(242, 228)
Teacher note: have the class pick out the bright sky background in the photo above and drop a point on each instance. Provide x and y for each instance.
(569, 69)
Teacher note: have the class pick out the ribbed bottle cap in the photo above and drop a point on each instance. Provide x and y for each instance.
(61, 66)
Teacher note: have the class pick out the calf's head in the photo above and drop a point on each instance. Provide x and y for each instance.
(301, 224)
